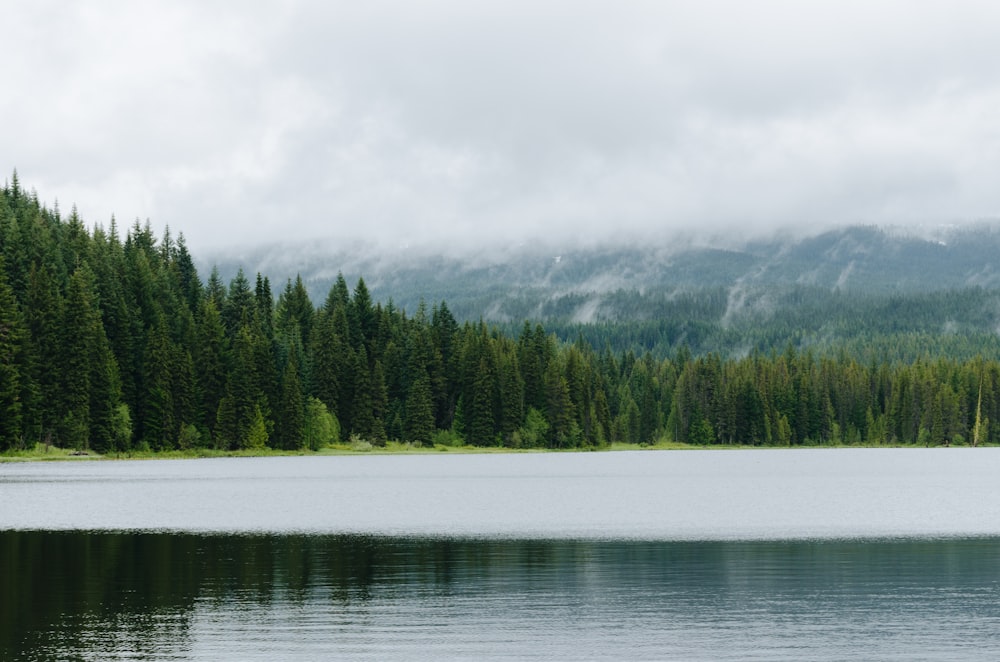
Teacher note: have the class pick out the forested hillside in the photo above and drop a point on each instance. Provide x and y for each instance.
(110, 340)
(880, 294)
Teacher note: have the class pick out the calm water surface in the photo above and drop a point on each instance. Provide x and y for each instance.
(796, 555)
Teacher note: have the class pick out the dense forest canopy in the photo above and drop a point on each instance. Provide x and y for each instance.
(110, 340)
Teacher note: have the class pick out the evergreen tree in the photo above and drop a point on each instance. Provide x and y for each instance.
(511, 396)
(361, 316)
(45, 318)
(211, 366)
(244, 399)
(256, 435)
(237, 309)
(444, 377)
(380, 404)
(328, 360)
(186, 276)
(107, 430)
(295, 311)
(479, 421)
(291, 413)
(559, 411)
(419, 423)
(157, 421)
(264, 306)
(363, 406)
(81, 325)
(215, 291)
(12, 337)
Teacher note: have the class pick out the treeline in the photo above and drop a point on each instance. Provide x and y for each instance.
(112, 343)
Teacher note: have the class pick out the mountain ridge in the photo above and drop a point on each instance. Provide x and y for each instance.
(502, 285)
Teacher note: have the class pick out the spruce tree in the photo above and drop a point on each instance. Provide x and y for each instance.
(295, 310)
(326, 362)
(362, 408)
(157, 419)
(361, 316)
(81, 322)
(511, 392)
(444, 368)
(106, 431)
(12, 337)
(45, 318)
(479, 417)
(559, 410)
(291, 411)
(211, 364)
(380, 404)
(419, 422)
(237, 309)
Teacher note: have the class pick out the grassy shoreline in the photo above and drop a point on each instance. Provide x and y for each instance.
(42, 453)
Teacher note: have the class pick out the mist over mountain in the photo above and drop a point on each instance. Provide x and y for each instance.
(601, 283)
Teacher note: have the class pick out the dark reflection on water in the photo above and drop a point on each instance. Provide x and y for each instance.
(96, 596)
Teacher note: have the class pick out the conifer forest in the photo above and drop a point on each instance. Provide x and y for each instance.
(111, 341)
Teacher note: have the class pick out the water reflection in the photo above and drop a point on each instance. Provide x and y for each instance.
(80, 595)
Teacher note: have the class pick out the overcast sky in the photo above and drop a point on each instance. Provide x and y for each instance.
(414, 123)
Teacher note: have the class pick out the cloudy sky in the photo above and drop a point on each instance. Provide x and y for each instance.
(422, 123)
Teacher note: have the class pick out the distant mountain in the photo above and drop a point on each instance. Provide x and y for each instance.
(588, 284)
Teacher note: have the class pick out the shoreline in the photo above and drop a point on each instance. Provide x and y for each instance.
(52, 454)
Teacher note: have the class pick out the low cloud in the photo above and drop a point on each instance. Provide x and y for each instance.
(447, 125)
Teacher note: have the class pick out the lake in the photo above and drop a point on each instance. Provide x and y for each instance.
(772, 554)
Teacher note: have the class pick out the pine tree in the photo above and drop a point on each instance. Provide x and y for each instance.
(291, 412)
(106, 430)
(243, 397)
(362, 408)
(380, 404)
(511, 395)
(188, 284)
(12, 337)
(419, 423)
(81, 322)
(295, 311)
(211, 365)
(237, 309)
(480, 424)
(45, 318)
(327, 360)
(157, 421)
(361, 317)
(264, 306)
(256, 435)
(559, 411)
(215, 291)
(444, 372)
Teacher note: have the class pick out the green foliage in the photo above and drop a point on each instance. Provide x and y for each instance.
(701, 433)
(121, 427)
(448, 438)
(256, 435)
(419, 425)
(291, 415)
(320, 428)
(360, 444)
(189, 437)
(12, 365)
(534, 432)
(113, 343)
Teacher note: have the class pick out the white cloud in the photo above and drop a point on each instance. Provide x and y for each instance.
(433, 122)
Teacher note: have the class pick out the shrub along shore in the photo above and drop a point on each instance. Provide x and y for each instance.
(41, 453)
